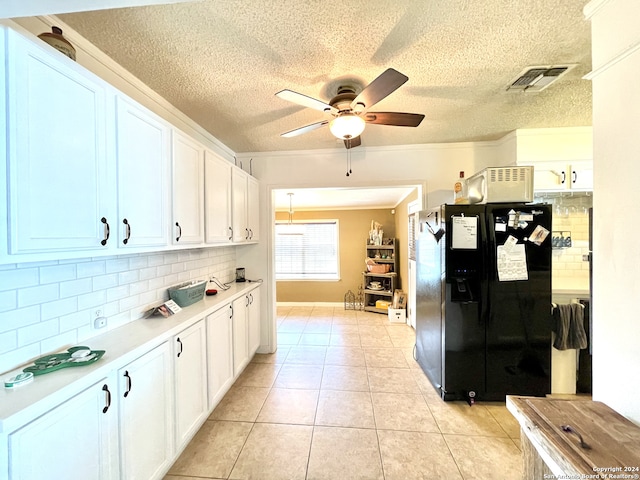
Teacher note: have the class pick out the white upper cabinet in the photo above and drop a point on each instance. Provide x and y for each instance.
(58, 176)
(143, 147)
(253, 212)
(217, 197)
(90, 172)
(552, 176)
(240, 220)
(188, 191)
(245, 206)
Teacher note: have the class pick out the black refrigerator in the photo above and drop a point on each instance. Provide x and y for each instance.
(483, 300)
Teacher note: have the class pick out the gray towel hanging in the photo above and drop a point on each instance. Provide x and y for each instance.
(569, 327)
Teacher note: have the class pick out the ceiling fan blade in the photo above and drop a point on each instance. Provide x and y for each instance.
(353, 142)
(305, 129)
(394, 118)
(305, 101)
(386, 83)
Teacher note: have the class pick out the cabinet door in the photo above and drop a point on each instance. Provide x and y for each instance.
(240, 341)
(581, 176)
(217, 195)
(220, 354)
(78, 439)
(254, 321)
(143, 146)
(59, 179)
(190, 358)
(239, 199)
(550, 177)
(146, 415)
(253, 210)
(188, 190)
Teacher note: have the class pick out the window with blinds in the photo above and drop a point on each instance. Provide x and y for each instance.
(307, 250)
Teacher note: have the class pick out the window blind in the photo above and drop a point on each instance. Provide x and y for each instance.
(307, 250)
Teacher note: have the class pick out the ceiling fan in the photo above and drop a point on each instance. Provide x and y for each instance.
(349, 111)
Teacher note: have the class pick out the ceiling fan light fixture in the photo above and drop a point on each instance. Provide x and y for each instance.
(346, 126)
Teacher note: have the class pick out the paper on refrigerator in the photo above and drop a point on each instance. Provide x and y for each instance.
(465, 233)
(512, 263)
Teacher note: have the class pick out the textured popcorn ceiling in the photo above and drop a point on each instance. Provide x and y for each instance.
(221, 62)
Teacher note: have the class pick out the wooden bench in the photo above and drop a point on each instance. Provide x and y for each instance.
(575, 439)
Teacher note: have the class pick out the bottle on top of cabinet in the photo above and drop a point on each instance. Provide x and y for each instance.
(460, 190)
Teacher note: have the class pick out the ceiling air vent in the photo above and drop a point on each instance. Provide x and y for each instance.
(535, 79)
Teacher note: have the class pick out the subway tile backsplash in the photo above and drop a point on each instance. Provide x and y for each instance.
(568, 262)
(48, 306)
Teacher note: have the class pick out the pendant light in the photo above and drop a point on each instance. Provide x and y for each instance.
(290, 228)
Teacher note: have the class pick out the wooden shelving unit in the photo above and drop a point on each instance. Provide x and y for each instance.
(383, 255)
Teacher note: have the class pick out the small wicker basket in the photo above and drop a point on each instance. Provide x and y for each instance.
(378, 268)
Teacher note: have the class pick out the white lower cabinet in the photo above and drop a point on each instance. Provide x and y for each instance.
(254, 321)
(135, 421)
(246, 329)
(240, 330)
(78, 439)
(146, 415)
(219, 354)
(190, 359)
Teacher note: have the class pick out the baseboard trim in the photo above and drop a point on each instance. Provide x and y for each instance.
(309, 304)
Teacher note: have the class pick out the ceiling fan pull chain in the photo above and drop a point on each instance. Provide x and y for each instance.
(348, 155)
(350, 158)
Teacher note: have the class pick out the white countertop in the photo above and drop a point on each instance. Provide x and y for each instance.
(121, 345)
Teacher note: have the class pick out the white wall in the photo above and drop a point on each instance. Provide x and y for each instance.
(616, 284)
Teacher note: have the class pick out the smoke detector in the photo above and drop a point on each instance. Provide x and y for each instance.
(536, 79)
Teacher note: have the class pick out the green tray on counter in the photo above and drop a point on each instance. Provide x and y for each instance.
(70, 358)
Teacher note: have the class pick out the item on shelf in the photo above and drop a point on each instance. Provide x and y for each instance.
(188, 293)
(57, 41)
(73, 357)
(374, 267)
(383, 304)
(399, 299)
(561, 239)
(375, 233)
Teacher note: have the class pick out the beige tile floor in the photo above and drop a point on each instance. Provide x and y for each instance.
(341, 399)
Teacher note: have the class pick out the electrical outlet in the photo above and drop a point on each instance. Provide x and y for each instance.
(100, 322)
